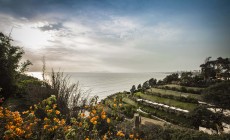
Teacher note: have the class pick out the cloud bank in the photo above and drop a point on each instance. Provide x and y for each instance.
(118, 36)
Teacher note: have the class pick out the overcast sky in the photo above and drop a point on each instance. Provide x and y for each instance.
(118, 35)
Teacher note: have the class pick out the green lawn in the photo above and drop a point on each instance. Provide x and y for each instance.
(129, 101)
(174, 93)
(179, 87)
(170, 102)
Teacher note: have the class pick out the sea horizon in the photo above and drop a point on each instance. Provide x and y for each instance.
(104, 84)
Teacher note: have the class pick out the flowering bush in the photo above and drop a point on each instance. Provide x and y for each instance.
(44, 121)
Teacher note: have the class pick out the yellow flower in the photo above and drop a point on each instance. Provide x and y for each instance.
(115, 105)
(56, 120)
(80, 124)
(57, 112)
(82, 115)
(114, 99)
(103, 112)
(51, 129)
(25, 112)
(45, 126)
(86, 138)
(103, 116)
(108, 120)
(120, 134)
(131, 136)
(120, 105)
(19, 131)
(93, 119)
(49, 111)
(62, 122)
(104, 137)
(95, 122)
(55, 127)
(94, 111)
(54, 106)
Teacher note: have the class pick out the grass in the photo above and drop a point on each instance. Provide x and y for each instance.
(129, 101)
(174, 93)
(179, 87)
(170, 102)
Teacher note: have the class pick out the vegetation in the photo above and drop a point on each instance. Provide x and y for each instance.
(171, 78)
(203, 117)
(195, 90)
(171, 102)
(10, 57)
(216, 69)
(167, 91)
(58, 109)
(218, 94)
(45, 121)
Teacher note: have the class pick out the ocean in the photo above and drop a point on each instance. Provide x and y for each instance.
(104, 84)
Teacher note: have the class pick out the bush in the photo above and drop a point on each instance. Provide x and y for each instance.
(45, 121)
(129, 111)
(218, 94)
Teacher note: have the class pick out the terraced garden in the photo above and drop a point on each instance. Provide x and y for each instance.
(179, 87)
(165, 97)
(174, 93)
(169, 102)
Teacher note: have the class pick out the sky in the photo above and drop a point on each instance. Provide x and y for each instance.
(118, 35)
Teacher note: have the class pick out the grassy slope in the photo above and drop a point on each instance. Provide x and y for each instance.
(179, 87)
(129, 101)
(171, 102)
(174, 93)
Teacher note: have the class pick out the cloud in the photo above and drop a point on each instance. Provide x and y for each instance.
(54, 26)
(116, 36)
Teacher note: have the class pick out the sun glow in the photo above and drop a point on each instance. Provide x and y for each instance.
(31, 36)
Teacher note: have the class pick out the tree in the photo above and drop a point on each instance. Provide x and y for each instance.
(139, 87)
(133, 89)
(152, 82)
(225, 68)
(208, 69)
(201, 116)
(10, 57)
(216, 69)
(218, 94)
(145, 85)
(186, 78)
(170, 78)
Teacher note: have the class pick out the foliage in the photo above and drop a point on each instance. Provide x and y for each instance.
(10, 57)
(139, 87)
(45, 121)
(170, 78)
(145, 85)
(178, 98)
(133, 89)
(179, 88)
(170, 102)
(218, 94)
(69, 95)
(216, 69)
(206, 118)
(152, 82)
